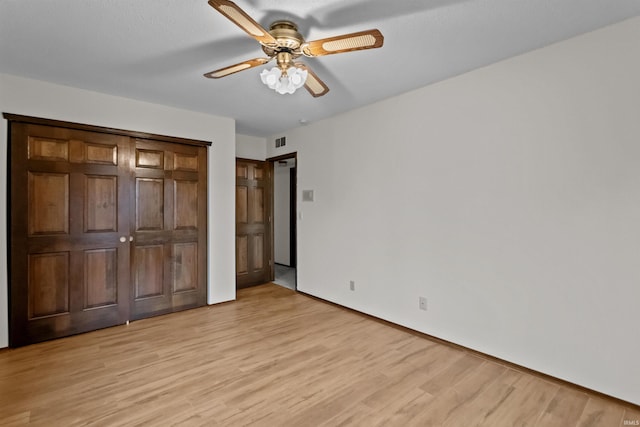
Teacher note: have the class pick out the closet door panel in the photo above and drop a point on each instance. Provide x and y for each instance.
(100, 209)
(185, 267)
(48, 284)
(171, 205)
(149, 204)
(149, 274)
(69, 269)
(100, 278)
(48, 203)
(185, 205)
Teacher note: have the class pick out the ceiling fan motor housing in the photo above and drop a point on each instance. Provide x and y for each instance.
(288, 38)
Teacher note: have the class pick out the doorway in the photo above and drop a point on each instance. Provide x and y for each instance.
(285, 219)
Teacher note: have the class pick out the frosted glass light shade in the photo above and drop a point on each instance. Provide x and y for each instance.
(270, 77)
(283, 83)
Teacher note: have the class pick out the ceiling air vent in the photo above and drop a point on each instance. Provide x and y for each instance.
(281, 142)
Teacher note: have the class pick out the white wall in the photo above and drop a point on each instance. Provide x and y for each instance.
(251, 147)
(40, 99)
(281, 213)
(508, 196)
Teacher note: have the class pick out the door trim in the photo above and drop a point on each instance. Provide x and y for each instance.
(17, 118)
(293, 216)
(293, 212)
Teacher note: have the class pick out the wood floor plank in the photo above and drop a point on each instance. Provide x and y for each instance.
(451, 401)
(453, 373)
(482, 405)
(17, 419)
(564, 409)
(278, 358)
(600, 413)
(524, 405)
(358, 415)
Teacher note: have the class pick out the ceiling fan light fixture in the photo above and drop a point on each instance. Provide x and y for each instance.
(284, 81)
(270, 77)
(285, 44)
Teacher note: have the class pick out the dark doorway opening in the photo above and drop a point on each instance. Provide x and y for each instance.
(285, 219)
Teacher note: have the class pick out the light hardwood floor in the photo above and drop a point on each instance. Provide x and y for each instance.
(277, 358)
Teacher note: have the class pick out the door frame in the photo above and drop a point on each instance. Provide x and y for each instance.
(293, 216)
(293, 211)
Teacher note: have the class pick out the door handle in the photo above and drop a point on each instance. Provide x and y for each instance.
(123, 239)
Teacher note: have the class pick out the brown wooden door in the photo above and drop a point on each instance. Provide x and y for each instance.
(170, 250)
(69, 192)
(253, 231)
(106, 226)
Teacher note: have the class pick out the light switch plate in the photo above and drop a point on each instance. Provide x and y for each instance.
(307, 195)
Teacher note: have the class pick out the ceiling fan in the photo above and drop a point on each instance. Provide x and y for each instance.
(284, 43)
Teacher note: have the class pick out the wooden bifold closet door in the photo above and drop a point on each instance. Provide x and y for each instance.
(105, 228)
(170, 239)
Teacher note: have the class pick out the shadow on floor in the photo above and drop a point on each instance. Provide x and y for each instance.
(285, 276)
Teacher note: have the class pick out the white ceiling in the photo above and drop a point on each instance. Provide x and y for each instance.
(157, 50)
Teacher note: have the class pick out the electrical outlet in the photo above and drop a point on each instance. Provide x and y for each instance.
(352, 285)
(422, 303)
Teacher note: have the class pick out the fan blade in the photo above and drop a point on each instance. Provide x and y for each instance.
(223, 72)
(314, 85)
(369, 39)
(244, 21)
